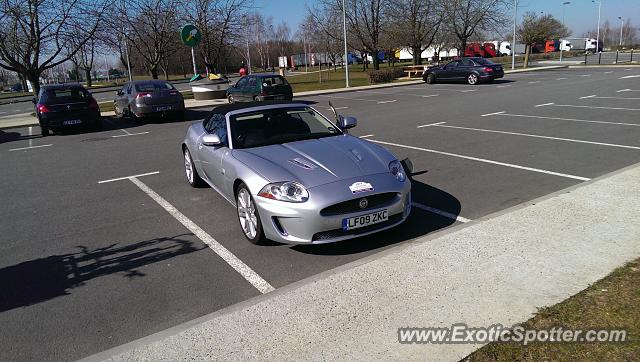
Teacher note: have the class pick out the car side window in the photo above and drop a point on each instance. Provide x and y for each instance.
(467, 63)
(217, 124)
(252, 82)
(242, 82)
(453, 64)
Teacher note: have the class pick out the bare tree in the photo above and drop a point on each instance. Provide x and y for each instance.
(536, 28)
(465, 17)
(36, 34)
(150, 28)
(415, 23)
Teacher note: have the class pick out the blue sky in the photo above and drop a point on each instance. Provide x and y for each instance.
(580, 15)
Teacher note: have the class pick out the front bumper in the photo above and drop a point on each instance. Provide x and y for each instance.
(303, 223)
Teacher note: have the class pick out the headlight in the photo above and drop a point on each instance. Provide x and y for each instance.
(285, 191)
(396, 170)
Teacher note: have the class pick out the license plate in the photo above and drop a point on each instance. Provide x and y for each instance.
(365, 220)
(71, 121)
(163, 108)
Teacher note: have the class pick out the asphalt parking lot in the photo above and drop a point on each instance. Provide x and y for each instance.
(92, 258)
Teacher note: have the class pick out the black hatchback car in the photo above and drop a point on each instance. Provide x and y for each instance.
(470, 70)
(64, 105)
(260, 87)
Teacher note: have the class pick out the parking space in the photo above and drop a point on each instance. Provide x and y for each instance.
(145, 251)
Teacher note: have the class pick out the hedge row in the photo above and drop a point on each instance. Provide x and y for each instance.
(385, 75)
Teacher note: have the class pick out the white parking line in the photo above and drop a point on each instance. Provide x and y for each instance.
(630, 76)
(585, 75)
(127, 134)
(440, 212)
(432, 124)
(430, 95)
(367, 135)
(609, 72)
(585, 97)
(491, 114)
(567, 119)
(503, 86)
(593, 107)
(486, 161)
(243, 269)
(545, 137)
(128, 177)
(622, 98)
(544, 104)
(30, 147)
(562, 78)
(468, 90)
(30, 134)
(336, 108)
(626, 90)
(351, 99)
(391, 101)
(534, 82)
(3, 112)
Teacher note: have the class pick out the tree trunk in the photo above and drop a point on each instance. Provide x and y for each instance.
(463, 49)
(154, 72)
(417, 55)
(375, 60)
(87, 74)
(526, 55)
(34, 78)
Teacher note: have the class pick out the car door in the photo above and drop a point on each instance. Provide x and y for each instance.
(121, 101)
(448, 71)
(211, 157)
(251, 89)
(464, 68)
(236, 90)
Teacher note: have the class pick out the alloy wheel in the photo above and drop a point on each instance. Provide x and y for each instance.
(247, 214)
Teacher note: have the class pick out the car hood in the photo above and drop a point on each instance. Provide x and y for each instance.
(318, 161)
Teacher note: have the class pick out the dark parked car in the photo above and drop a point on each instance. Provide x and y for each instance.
(144, 98)
(260, 87)
(63, 105)
(470, 70)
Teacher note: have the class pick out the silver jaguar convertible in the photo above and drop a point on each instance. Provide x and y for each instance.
(294, 176)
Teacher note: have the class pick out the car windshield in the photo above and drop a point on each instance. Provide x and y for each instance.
(65, 95)
(279, 125)
(483, 61)
(151, 87)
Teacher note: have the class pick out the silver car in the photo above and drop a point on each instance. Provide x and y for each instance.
(144, 98)
(294, 176)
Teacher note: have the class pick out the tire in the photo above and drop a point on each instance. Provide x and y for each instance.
(230, 99)
(45, 131)
(190, 170)
(431, 79)
(248, 216)
(473, 79)
(115, 110)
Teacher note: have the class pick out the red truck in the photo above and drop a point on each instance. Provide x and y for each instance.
(486, 50)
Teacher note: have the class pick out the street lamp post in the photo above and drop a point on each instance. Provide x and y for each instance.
(621, 28)
(246, 19)
(561, 41)
(513, 46)
(346, 55)
(598, 36)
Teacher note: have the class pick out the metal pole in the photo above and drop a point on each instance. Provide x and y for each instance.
(346, 55)
(193, 60)
(598, 36)
(513, 46)
(561, 41)
(621, 28)
(248, 58)
(126, 43)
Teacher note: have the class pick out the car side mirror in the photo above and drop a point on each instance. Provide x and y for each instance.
(211, 140)
(347, 122)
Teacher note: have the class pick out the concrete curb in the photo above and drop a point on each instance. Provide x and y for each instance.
(163, 340)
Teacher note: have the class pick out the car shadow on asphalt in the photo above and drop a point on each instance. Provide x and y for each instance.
(418, 224)
(42, 279)
(11, 136)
